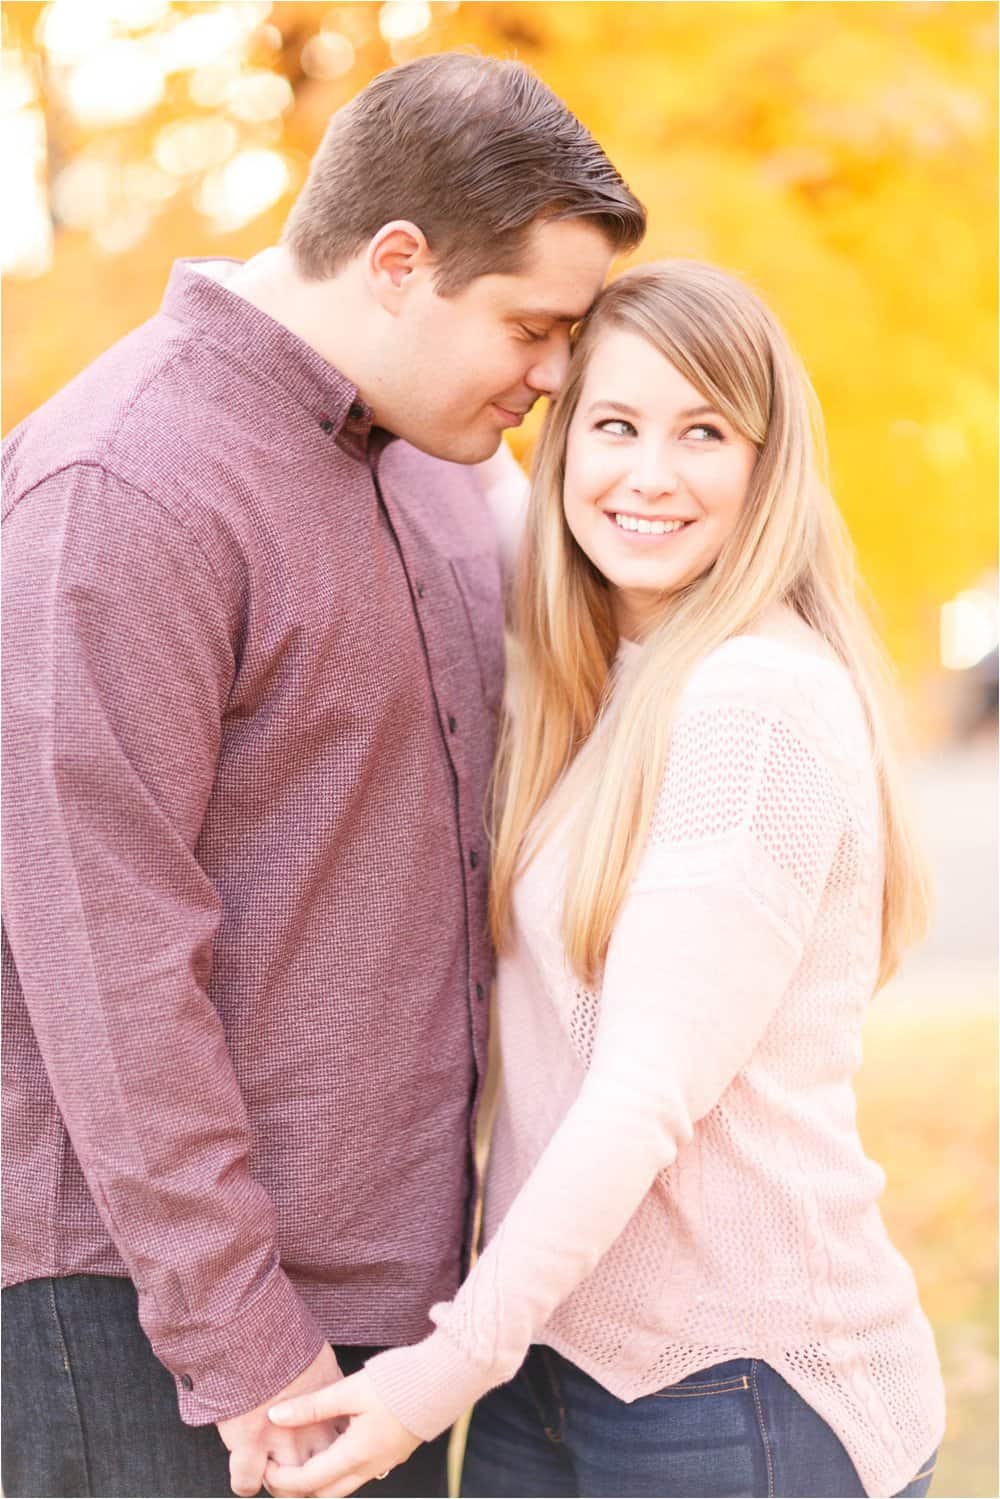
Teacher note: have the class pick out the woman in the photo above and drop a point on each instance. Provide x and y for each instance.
(702, 872)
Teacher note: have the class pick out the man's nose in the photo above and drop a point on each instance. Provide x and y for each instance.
(549, 371)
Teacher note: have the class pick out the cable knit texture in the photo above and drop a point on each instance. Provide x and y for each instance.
(676, 1176)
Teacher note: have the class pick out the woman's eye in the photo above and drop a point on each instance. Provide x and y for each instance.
(616, 426)
(534, 335)
(707, 433)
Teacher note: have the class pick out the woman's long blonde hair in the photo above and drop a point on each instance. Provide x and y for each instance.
(790, 545)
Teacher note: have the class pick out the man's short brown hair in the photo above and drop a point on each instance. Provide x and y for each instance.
(471, 149)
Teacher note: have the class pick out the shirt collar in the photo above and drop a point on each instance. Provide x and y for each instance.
(203, 302)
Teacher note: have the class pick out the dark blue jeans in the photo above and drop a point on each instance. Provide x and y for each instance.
(88, 1409)
(734, 1429)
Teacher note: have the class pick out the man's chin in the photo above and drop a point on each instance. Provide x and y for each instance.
(467, 447)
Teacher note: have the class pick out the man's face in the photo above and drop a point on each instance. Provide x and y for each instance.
(456, 371)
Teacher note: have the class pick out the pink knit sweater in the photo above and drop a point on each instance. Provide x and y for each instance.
(676, 1176)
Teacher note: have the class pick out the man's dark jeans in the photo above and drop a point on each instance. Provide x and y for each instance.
(89, 1410)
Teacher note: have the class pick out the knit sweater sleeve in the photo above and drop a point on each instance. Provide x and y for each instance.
(710, 934)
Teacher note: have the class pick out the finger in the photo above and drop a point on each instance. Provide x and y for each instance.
(331, 1466)
(279, 1493)
(340, 1490)
(277, 1489)
(282, 1463)
(246, 1470)
(289, 1449)
(320, 1405)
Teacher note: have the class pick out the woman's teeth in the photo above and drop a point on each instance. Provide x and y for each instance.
(653, 527)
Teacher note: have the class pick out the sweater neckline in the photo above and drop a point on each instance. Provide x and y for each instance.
(628, 650)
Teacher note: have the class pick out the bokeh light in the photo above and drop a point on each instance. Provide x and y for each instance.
(189, 146)
(970, 628)
(400, 20)
(233, 195)
(328, 54)
(120, 82)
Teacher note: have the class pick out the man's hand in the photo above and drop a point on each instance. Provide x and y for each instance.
(253, 1440)
(373, 1442)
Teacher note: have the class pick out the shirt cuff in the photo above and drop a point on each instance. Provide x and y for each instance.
(430, 1384)
(227, 1371)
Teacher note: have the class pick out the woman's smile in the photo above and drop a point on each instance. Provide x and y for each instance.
(645, 528)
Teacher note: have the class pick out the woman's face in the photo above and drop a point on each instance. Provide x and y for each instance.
(655, 478)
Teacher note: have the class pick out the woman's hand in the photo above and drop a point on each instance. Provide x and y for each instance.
(373, 1442)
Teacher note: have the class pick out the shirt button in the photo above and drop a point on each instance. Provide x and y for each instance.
(480, 992)
(452, 723)
(420, 590)
(473, 858)
(325, 424)
(356, 411)
(186, 1382)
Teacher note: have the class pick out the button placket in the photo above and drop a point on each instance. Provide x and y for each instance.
(469, 826)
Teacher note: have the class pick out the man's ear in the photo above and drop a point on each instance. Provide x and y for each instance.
(397, 257)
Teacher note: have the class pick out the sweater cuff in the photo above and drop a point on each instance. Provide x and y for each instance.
(229, 1370)
(430, 1384)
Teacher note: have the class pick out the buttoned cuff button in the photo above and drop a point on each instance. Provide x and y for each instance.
(186, 1382)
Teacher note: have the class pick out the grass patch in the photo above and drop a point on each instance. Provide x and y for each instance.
(927, 1102)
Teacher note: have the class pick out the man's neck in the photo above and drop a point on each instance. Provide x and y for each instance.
(324, 314)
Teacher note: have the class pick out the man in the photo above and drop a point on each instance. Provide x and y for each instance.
(253, 667)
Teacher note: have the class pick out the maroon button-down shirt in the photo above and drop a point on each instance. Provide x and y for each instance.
(252, 667)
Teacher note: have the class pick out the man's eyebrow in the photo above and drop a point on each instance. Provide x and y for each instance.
(549, 315)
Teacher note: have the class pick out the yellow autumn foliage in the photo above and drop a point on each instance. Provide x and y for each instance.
(840, 156)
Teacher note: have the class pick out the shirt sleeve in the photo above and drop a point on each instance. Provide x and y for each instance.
(705, 945)
(118, 661)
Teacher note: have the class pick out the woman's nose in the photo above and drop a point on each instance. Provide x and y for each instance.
(653, 477)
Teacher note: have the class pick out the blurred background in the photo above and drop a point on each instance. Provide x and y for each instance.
(842, 157)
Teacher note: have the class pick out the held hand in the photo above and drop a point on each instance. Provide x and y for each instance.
(373, 1443)
(253, 1439)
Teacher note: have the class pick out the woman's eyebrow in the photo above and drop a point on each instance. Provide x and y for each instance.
(683, 416)
(612, 406)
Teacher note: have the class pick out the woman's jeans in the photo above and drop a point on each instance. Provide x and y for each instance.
(89, 1410)
(734, 1429)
